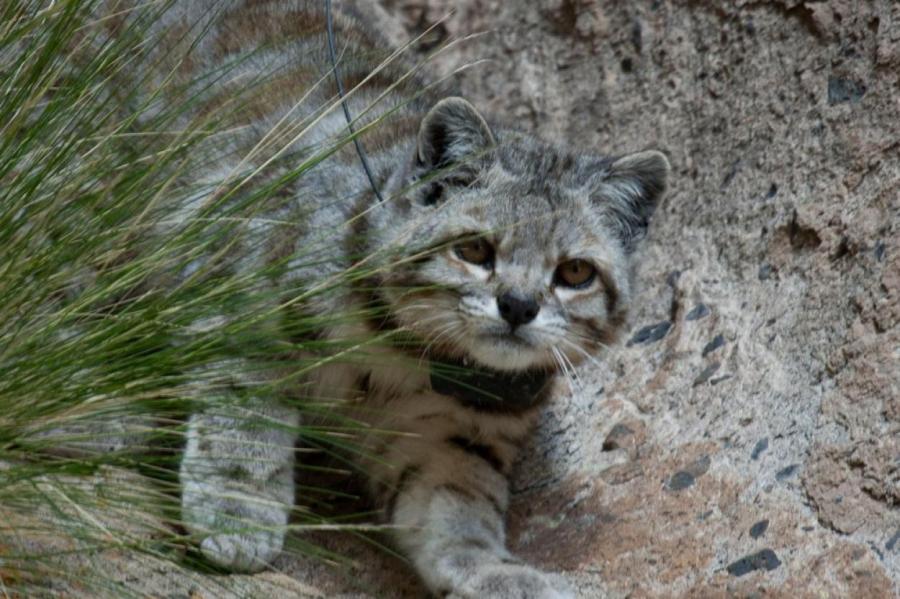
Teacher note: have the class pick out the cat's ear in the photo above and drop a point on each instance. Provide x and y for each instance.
(452, 132)
(631, 190)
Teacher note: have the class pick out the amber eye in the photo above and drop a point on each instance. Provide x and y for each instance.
(477, 251)
(575, 273)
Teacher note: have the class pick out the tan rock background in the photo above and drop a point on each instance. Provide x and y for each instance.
(744, 438)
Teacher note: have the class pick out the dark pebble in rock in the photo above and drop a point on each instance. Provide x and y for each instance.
(672, 278)
(749, 27)
(761, 560)
(842, 90)
(697, 312)
(651, 333)
(719, 379)
(765, 272)
(759, 529)
(707, 372)
(773, 189)
(892, 542)
(698, 467)
(879, 251)
(680, 480)
(729, 176)
(787, 472)
(761, 446)
(717, 342)
(616, 436)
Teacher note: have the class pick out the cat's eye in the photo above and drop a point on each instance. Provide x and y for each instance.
(477, 251)
(575, 273)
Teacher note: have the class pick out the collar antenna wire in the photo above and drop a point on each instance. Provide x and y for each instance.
(340, 87)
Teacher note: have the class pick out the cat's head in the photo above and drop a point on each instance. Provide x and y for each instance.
(515, 253)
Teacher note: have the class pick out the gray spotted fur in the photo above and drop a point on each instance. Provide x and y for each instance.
(446, 173)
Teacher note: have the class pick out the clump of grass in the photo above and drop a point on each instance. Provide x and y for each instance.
(98, 353)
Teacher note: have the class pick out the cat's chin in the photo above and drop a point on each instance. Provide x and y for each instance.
(506, 353)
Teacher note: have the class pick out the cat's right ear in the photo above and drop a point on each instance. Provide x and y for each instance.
(631, 189)
(452, 133)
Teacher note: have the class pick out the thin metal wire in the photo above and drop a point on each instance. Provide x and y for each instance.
(340, 86)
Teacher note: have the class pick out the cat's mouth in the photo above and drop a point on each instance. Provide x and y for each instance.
(506, 350)
(507, 338)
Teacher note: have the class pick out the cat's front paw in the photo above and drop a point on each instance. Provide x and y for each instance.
(248, 552)
(512, 581)
(237, 531)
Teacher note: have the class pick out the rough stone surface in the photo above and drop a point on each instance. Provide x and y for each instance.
(651, 478)
(774, 394)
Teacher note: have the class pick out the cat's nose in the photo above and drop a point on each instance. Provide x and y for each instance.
(517, 310)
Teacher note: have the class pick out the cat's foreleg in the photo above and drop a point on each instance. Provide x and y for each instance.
(237, 487)
(446, 495)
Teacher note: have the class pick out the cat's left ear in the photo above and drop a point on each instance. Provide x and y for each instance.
(631, 190)
(453, 132)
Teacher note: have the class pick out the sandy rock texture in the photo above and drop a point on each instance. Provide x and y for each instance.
(743, 439)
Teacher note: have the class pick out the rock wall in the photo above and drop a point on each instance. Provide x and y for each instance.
(744, 440)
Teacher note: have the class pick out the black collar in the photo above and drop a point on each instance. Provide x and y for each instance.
(489, 390)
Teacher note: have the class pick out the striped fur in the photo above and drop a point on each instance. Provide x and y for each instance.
(447, 173)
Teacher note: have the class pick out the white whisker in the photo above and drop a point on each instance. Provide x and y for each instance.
(572, 369)
(447, 329)
(562, 366)
(581, 351)
(586, 339)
